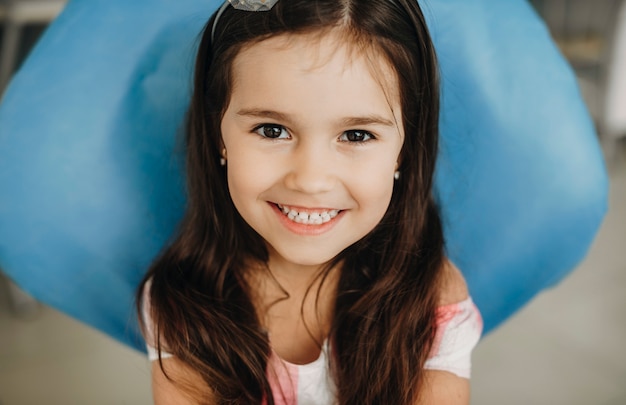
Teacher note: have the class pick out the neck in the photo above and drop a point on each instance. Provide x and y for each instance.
(294, 278)
(282, 289)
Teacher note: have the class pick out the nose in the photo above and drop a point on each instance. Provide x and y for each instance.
(313, 170)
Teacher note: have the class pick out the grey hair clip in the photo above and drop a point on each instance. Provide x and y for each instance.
(253, 5)
(245, 5)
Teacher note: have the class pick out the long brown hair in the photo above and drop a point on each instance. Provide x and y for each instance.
(384, 316)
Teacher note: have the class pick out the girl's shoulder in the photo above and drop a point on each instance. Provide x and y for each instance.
(452, 285)
(148, 327)
(459, 325)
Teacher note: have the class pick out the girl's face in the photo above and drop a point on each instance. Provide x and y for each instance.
(312, 137)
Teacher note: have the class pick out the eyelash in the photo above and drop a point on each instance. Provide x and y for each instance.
(261, 131)
(365, 134)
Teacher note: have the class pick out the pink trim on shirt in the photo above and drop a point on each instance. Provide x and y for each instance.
(445, 314)
(283, 378)
(459, 327)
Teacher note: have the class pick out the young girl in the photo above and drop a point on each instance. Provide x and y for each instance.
(310, 268)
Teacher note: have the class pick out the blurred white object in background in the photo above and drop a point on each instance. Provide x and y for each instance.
(592, 36)
(615, 108)
(14, 15)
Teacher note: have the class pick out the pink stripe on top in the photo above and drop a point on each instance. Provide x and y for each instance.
(301, 384)
(283, 378)
(459, 327)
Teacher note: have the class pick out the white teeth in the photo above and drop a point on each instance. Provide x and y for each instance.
(313, 218)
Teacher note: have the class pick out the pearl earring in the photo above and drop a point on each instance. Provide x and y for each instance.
(396, 174)
(223, 158)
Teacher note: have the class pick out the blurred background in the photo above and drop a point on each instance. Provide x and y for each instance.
(566, 347)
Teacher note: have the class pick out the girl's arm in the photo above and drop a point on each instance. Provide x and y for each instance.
(173, 390)
(178, 388)
(442, 387)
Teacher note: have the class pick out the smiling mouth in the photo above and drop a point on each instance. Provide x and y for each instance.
(308, 217)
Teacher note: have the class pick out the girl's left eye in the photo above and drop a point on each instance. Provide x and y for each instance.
(356, 135)
(272, 131)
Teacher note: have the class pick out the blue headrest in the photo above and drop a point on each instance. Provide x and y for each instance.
(91, 174)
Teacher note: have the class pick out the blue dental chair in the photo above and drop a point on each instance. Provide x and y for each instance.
(91, 169)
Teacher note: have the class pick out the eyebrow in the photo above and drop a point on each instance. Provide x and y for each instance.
(348, 121)
(258, 113)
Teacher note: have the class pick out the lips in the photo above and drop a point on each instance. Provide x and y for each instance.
(308, 216)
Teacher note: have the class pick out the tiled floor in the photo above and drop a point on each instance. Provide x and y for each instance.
(566, 347)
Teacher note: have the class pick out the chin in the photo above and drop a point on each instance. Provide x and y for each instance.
(310, 261)
(313, 259)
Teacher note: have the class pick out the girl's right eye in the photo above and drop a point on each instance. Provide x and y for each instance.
(272, 131)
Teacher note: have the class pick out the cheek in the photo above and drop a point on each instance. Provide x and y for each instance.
(384, 199)
(242, 181)
(239, 164)
(249, 176)
(374, 193)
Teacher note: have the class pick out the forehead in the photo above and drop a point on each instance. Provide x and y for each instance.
(330, 55)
